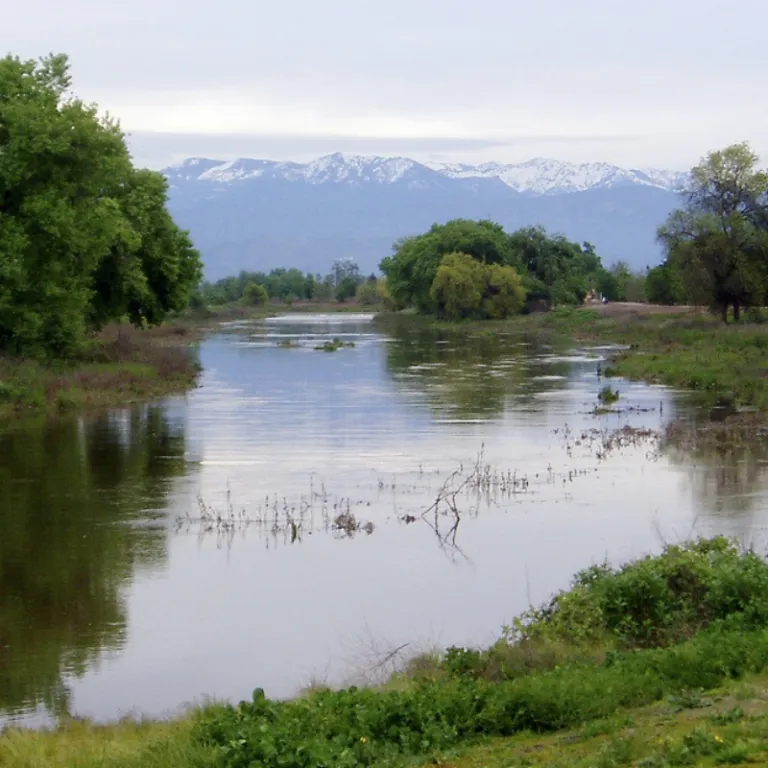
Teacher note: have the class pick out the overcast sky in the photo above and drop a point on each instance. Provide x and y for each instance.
(648, 83)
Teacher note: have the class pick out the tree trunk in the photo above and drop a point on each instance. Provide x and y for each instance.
(724, 312)
(736, 311)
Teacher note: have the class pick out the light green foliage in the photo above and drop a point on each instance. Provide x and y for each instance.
(83, 236)
(619, 283)
(718, 240)
(465, 287)
(457, 290)
(255, 295)
(412, 268)
(368, 292)
(548, 267)
(504, 292)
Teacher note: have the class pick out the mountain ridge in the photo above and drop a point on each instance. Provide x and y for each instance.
(259, 214)
(537, 176)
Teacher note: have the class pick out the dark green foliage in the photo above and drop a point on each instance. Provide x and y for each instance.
(657, 600)
(84, 237)
(288, 285)
(346, 289)
(664, 286)
(364, 727)
(708, 590)
(607, 395)
(551, 268)
(563, 270)
(718, 240)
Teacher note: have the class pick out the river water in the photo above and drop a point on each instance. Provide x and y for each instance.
(276, 526)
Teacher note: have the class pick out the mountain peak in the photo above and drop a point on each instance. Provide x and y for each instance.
(537, 176)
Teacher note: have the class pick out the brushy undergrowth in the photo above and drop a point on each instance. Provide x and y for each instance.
(665, 628)
(366, 727)
(119, 365)
(688, 619)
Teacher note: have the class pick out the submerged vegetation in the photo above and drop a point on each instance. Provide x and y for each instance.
(334, 345)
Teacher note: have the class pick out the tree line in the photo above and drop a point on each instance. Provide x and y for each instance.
(342, 283)
(85, 237)
(474, 269)
(715, 245)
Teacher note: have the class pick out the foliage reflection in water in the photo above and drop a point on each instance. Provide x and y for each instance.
(421, 487)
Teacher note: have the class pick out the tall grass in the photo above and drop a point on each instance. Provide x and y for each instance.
(119, 365)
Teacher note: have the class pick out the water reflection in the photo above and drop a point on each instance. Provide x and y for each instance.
(73, 516)
(472, 374)
(726, 472)
(309, 514)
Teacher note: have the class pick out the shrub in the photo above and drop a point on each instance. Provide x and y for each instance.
(255, 294)
(657, 600)
(363, 727)
(465, 287)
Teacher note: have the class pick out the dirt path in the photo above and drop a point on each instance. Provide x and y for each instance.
(624, 308)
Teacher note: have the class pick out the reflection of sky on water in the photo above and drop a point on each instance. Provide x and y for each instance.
(382, 425)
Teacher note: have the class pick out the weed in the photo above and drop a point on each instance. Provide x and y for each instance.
(607, 395)
(334, 345)
(736, 754)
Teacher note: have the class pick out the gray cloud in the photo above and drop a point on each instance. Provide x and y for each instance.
(684, 76)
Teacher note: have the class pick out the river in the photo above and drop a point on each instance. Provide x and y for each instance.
(275, 527)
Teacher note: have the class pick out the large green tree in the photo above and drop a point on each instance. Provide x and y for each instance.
(718, 240)
(412, 268)
(84, 237)
(550, 267)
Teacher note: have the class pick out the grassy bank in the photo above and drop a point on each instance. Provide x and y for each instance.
(691, 351)
(685, 348)
(663, 659)
(120, 365)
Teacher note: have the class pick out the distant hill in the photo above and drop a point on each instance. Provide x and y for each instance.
(260, 214)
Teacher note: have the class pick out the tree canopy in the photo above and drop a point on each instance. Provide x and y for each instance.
(84, 236)
(717, 242)
(544, 266)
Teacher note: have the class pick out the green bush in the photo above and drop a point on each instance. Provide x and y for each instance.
(657, 600)
(363, 727)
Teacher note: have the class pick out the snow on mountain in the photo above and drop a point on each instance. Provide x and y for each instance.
(336, 168)
(538, 176)
(541, 176)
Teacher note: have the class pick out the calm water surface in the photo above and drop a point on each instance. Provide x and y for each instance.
(121, 592)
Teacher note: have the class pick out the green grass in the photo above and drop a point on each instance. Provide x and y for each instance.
(731, 728)
(121, 365)
(127, 744)
(693, 351)
(661, 660)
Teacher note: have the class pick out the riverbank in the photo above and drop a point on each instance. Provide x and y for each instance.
(683, 347)
(727, 364)
(664, 658)
(119, 366)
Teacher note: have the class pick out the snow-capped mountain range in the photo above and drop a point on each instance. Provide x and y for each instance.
(260, 214)
(538, 176)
